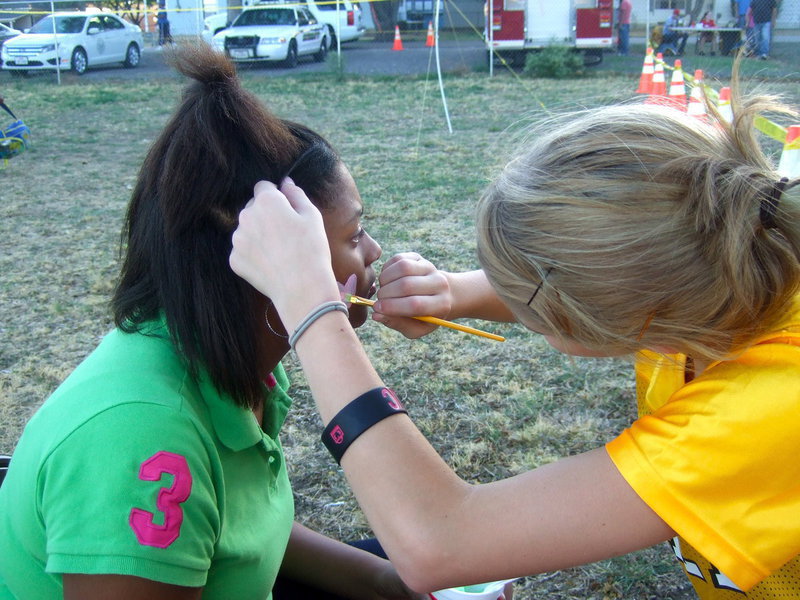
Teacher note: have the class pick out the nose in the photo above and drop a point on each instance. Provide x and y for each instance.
(374, 251)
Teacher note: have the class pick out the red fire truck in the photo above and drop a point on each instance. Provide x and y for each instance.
(519, 26)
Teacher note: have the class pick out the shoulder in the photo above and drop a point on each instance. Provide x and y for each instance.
(130, 383)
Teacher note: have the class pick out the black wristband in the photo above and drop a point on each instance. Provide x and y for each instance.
(358, 416)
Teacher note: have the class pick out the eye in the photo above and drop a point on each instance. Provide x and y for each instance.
(358, 235)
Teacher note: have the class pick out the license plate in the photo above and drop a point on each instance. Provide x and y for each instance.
(21, 60)
(241, 53)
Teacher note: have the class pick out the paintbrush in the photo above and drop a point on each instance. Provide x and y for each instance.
(434, 320)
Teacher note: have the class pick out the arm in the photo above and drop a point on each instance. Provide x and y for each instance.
(574, 511)
(329, 565)
(412, 286)
(124, 587)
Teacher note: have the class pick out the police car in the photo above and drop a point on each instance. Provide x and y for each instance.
(274, 33)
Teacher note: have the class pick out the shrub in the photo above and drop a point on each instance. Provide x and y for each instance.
(555, 62)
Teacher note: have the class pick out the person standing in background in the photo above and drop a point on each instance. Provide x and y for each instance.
(624, 21)
(164, 35)
(740, 9)
(764, 13)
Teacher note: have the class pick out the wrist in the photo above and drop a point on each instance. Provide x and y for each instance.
(292, 309)
(313, 316)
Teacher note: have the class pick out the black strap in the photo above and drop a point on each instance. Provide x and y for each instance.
(358, 416)
(8, 110)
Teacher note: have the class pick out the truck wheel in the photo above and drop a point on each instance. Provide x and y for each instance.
(592, 57)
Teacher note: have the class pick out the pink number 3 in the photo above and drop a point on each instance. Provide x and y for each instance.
(168, 502)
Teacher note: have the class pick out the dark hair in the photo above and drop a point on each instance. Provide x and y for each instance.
(195, 179)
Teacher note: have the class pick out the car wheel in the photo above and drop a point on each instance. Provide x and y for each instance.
(323, 50)
(290, 62)
(132, 56)
(79, 63)
(332, 36)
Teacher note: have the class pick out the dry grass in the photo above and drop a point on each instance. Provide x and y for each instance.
(491, 409)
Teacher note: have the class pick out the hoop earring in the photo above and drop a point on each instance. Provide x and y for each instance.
(269, 326)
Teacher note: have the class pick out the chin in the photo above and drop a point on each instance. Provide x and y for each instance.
(358, 316)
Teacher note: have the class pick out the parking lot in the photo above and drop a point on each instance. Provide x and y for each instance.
(358, 58)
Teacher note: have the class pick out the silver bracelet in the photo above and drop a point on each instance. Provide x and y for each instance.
(315, 314)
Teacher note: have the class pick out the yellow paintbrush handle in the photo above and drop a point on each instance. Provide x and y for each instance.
(464, 328)
(435, 321)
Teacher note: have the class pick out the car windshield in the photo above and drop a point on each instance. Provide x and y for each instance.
(63, 25)
(273, 16)
(330, 5)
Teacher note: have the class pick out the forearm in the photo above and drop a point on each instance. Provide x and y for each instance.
(474, 297)
(390, 464)
(330, 565)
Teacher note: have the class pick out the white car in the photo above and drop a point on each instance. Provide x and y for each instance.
(350, 26)
(274, 33)
(215, 23)
(80, 40)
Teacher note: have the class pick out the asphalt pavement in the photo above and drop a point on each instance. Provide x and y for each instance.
(357, 58)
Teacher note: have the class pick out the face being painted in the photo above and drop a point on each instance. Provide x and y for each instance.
(353, 251)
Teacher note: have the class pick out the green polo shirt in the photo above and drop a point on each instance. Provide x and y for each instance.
(132, 467)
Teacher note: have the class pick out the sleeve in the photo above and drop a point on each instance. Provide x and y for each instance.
(717, 462)
(133, 491)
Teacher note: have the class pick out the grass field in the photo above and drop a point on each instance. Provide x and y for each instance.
(491, 409)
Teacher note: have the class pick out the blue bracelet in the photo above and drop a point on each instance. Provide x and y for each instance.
(358, 416)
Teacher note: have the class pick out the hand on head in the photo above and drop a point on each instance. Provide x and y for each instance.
(411, 286)
(280, 248)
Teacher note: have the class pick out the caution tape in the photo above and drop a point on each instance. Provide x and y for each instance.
(186, 10)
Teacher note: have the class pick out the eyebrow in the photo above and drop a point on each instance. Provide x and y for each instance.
(357, 215)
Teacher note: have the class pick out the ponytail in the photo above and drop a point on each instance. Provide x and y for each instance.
(197, 176)
(650, 227)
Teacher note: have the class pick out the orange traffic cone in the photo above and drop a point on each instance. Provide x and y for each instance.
(430, 41)
(789, 165)
(658, 87)
(677, 89)
(697, 104)
(398, 43)
(724, 104)
(646, 78)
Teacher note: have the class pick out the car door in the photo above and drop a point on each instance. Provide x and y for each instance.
(93, 41)
(310, 32)
(114, 38)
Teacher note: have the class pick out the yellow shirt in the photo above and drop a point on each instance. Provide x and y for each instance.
(718, 459)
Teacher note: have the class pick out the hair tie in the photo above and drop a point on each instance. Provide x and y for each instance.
(769, 204)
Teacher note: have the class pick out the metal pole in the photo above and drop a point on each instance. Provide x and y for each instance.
(339, 32)
(55, 40)
(438, 65)
(490, 36)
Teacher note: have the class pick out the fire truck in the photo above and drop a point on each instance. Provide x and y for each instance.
(521, 26)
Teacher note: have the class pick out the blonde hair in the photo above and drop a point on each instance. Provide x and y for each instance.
(638, 226)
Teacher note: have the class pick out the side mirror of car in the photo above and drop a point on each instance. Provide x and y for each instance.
(93, 30)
